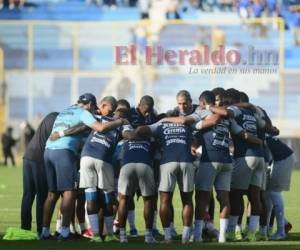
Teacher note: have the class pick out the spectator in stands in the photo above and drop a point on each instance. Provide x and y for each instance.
(243, 7)
(12, 4)
(257, 10)
(8, 142)
(144, 8)
(295, 9)
(172, 12)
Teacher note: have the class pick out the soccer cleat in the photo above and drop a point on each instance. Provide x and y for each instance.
(156, 233)
(230, 236)
(198, 240)
(288, 227)
(277, 236)
(111, 238)
(62, 238)
(238, 235)
(270, 231)
(151, 241)
(173, 232)
(222, 239)
(123, 240)
(260, 236)
(167, 242)
(97, 239)
(250, 237)
(87, 233)
(133, 233)
(49, 237)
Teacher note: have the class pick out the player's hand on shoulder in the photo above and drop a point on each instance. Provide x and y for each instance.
(54, 136)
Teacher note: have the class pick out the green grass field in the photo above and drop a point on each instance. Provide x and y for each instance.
(10, 200)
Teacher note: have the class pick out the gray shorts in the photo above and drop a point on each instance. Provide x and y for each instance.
(136, 175)
(183, 172)
(96, 173)
(247, 171)
(280, 175)
(210, 174)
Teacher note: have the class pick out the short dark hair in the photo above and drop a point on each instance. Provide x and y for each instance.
(244, 97)
(218, 91)
(185, 94)
(234, 94)
(147, 100)
(124, 113)
(111, 100)
(123, 102)
(161, 116)
(208, 96)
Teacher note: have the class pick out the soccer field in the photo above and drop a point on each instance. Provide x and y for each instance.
(10, 200)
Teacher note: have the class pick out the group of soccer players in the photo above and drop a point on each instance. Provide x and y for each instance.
(99, 156)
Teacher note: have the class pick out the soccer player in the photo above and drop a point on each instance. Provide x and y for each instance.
(96, 172)
(184, 107)
(176, 164)
(279, 180)
(34, 174)
(60, 160)
(143, 114)
(136, 172)
(248, 168)
(215, 166)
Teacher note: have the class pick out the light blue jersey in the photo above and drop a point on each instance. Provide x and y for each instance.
(70, 117)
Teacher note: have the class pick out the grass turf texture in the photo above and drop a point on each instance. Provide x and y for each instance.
(10, 200)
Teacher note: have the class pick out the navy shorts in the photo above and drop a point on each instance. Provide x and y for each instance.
(61, 170)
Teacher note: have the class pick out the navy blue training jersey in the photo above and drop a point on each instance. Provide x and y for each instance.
(137, 119)
(101, 145)
(215, 140)
(279, 150)
(137, 152)
(246, 119)
(175, 140)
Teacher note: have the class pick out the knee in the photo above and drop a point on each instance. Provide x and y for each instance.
(52, 197)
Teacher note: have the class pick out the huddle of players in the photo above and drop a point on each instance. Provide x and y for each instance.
(156, 152)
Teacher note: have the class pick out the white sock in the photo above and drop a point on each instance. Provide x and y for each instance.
(155, 220)
(223, 230)
(279, 211)
(72, 229)
(199, 224)
(232, 222)
(58, 225)
(186, 233)
(253, 223)
(45, 231)
(131, 219)
(148, 234)
(65, 231)
(82, 227)
(238, 228)
(168, 234)
(109, 224)
(123, 234)
(94, 221)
